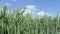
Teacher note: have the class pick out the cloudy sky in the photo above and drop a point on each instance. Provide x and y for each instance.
(38, 7)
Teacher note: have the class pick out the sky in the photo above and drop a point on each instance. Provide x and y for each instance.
(39, 7)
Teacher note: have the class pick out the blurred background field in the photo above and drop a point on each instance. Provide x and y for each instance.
(29, 16)
(17, 23)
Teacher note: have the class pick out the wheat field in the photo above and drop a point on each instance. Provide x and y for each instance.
(16, 23)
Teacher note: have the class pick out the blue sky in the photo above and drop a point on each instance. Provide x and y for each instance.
(49, 6)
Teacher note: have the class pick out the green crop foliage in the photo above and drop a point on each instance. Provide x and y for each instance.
(16, 23)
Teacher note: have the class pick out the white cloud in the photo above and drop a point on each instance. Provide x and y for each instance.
(30, 9)
(59, 14)
(8, 4)
(42, 13)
